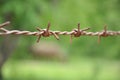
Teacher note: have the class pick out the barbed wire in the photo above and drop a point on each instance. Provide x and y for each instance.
(47, 32)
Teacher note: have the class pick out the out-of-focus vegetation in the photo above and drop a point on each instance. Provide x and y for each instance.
(82, 70)
(64, 15)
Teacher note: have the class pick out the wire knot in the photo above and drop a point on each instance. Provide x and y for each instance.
(104, 34)
(46, 33)
(77, 32)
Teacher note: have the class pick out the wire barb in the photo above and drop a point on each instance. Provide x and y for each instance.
(39, 36)
(4, 24)
(104, 34)
(77, 32)
(46, 33)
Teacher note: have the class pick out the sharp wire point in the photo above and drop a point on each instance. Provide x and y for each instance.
(85, 29)
(48, 27)
(56, 36)
(4, 24)
(38, 40)
(71, 36)
(105, 28)
(38, 29)
(78, 26)
(99, 39)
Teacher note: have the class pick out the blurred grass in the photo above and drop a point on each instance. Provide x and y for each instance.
(74, 70)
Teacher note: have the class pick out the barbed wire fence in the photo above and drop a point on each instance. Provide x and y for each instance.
(47, 32)
(73, 33)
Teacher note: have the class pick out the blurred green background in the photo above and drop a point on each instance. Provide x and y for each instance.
(86, 59)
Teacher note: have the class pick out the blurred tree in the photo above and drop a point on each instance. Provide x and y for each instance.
(20, 13)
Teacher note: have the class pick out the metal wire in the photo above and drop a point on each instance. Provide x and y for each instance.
(47, 33)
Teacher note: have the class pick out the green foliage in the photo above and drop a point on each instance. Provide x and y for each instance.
(64, 15)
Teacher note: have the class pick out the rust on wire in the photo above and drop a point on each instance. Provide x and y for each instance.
(47, 32)
(104, 34)
(77, 32)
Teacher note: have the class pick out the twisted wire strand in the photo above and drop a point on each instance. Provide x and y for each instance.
(84, 33)
(47, 33)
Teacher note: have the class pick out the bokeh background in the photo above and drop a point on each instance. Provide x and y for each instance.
(84, 59)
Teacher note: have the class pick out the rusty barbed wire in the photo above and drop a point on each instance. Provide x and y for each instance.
(47, 32)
